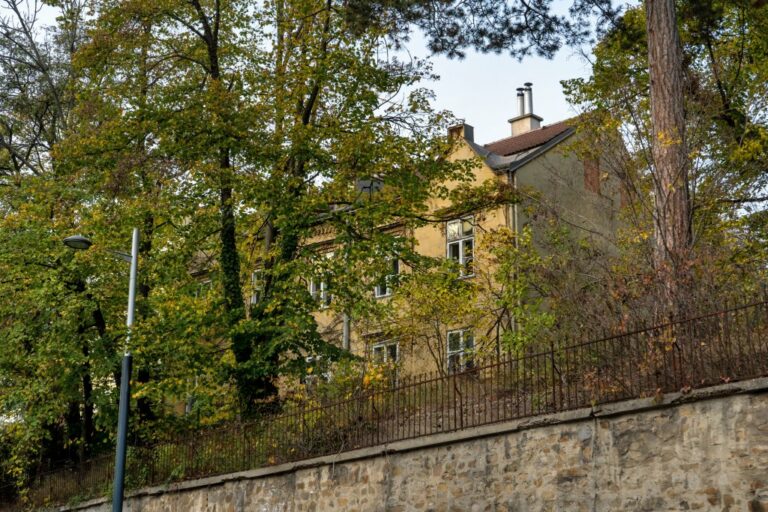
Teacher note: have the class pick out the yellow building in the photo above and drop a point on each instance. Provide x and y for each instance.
(534, 157)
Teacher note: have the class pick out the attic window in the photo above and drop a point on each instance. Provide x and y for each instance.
(461, 131)
(367, 187)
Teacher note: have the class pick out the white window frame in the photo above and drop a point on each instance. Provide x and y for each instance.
(204, 288)
(461, 354)
(461, 240)
(316, 363)
(319, 290)
(385, 347)
(384, 288)
(257, 285)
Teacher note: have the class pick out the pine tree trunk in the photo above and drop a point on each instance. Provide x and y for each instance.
(672, 209)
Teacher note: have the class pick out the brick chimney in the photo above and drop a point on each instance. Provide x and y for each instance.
(526, 120)
(461, 130)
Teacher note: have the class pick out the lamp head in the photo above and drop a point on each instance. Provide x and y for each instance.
(77, 242)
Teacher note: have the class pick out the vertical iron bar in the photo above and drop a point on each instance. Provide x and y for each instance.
(752, 357)
(556, 388)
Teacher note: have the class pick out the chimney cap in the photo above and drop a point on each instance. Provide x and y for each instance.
(528, 84)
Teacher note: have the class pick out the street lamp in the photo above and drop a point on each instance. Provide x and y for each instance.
(77, 242)
(81, 243)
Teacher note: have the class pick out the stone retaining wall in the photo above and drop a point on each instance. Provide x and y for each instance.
(707, 450)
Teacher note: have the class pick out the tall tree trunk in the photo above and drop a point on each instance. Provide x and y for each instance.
(74, 434)
(253, 386)
(230, 259)
(89, 430)
(144, 410)
(672, 209)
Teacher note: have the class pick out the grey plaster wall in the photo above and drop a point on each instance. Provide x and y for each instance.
(686, 453)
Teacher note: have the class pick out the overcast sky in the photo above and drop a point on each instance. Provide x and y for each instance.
(481, 89)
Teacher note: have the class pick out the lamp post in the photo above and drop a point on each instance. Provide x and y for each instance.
(81, 243)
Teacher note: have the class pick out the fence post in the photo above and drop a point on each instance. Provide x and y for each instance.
(554, 375)
(152, 470)
(672, 350)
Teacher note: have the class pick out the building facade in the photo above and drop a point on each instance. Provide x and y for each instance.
(538, 161)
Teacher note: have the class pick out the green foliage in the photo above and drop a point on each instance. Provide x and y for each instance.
(512, 287)
(427, 304)
(724, 46)
(503, 303)
(228, 133)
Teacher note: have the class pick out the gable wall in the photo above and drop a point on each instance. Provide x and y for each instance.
(562, 187)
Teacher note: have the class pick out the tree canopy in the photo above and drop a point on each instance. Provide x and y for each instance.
(230, 133)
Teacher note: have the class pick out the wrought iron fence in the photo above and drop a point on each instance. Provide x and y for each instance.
(723, 346)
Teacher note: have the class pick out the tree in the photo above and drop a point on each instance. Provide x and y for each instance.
(297, 108)
(521, 27)
(149, 138)
(427, 305)
(672, 208)
(724, 85)
(53, 326)
(501, 304)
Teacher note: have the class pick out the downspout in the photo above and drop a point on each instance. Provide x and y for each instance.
(515, 229)
(514, 214)
(345, 344)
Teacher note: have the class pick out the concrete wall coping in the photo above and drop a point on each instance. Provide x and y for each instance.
(625, 407)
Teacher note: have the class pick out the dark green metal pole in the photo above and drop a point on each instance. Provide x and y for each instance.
(122, 434)
(125, 384)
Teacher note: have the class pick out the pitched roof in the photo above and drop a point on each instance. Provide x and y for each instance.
(532, 139)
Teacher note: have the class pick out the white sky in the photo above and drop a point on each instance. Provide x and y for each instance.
(482, 88)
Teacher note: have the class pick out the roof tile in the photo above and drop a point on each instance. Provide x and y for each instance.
(532, 139)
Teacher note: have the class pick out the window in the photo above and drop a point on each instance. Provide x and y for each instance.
(384, 288)
(204, 287)
(460, 235)
(384, 352)
(460, 346)
(319, 291)
(257, 286)
(317, 370)
(318, 288)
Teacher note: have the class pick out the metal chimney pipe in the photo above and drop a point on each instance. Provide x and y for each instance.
(529, 97)
(520, 102)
